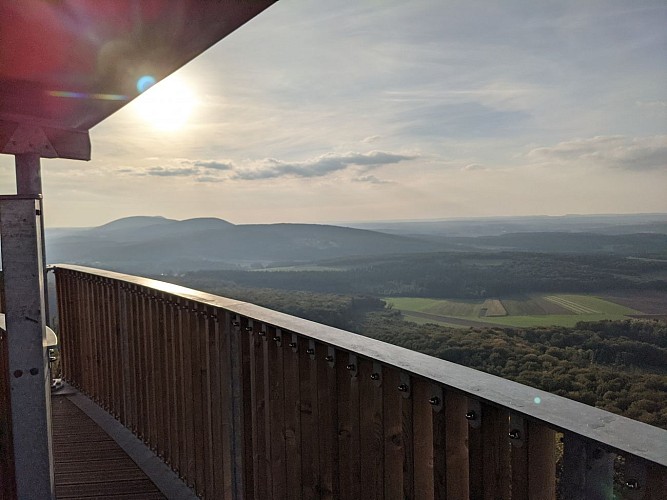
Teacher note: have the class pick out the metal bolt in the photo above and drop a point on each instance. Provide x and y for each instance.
(514, 434)
(350, 367)
(276, 339)
(435, 400)
(248, 328)
(329, 358)
(632, 484)
(471, 415)
(310, 351)
(236, 323)
(292, 345)
(403, 387)
(261, 334)
(375, 376)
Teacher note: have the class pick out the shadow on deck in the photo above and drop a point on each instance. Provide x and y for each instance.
(96, 457)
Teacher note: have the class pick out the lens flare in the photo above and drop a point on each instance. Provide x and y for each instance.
(537, 400)
(144, 83)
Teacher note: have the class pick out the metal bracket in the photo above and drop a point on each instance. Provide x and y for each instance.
(474, 413)
(331, 356)
(311, 349)
(352, 365)
(634, 479)
(405, 387)
(437, 398)
(294, 345)
(376, 376)
(250, 327)
(277, 336)
(262, 331)
(517, 430)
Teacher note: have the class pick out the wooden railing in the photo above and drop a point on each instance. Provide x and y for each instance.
(245, 402)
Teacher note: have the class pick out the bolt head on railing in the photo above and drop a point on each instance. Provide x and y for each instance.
(632, 484)
(249, 329)
(435, 400)
(276, 339)
(375, 376)
(471, 415)
(236, 324)
(292, 345)
(329, 358)
(310, 351)
(514, 434)
(403, 387)
(350, 367)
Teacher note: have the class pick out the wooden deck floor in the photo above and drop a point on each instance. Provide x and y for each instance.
(89, 463)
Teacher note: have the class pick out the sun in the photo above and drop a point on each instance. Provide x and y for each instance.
(167, 105)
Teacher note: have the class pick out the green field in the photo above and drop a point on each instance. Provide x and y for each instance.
(526, 311)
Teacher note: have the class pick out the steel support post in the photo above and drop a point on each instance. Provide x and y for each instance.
(21, 237)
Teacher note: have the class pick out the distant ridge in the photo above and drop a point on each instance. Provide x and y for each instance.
(157, 244)
(153, 245)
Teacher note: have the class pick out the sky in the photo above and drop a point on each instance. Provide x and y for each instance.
(359, 110)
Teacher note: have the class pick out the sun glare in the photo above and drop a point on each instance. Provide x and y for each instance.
(167, 105)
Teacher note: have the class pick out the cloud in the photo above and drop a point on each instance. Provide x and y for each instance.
(473, 166)
(171, 172)
(371, 139)
(209, 179)
(320, 166)
(371, 179)
(213, 164)
(620, 152)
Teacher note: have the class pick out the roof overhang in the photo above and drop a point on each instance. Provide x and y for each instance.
(66, 65)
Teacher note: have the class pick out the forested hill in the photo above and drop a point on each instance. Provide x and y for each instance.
(453, 274)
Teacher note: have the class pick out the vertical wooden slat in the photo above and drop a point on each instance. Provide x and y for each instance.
(257, 408)
(327, 409)
(224, 349)
(656, 481)
(371, 432)
(159, 377)
(183, 379)
(588, 472)
(489, 454)
(356, 486)
(135, 360)
(276, 421)
(541, 462)
(291, 358)
(188, 346)
(308, 408)
(398, 444)
(345, 436)
(166, 377)
(151, 382)
(423, 439)
(456, 406)
(197, 408)
(245, 374)
(207, 346)
(174, 385)
(519, 459)
(218, 459)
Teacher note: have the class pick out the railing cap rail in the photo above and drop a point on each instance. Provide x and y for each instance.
(610, 430)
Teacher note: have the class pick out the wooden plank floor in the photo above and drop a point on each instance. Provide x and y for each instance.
(88, 463)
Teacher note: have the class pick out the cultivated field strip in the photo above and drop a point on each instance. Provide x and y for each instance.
(572, 306)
